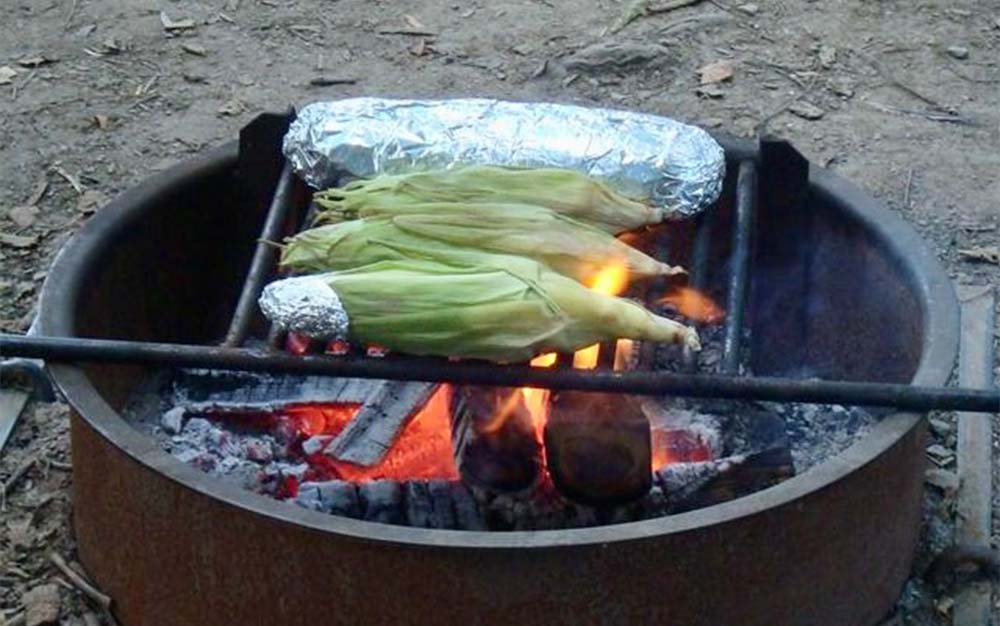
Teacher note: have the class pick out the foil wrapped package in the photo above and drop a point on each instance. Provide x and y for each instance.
(673, 166)
(305, 305)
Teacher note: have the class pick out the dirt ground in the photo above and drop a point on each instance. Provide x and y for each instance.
(900, 97)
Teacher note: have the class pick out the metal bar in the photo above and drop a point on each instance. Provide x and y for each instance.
(73, 349)
(699, 271)
(263, 258)
(739, 270)
(975, 441)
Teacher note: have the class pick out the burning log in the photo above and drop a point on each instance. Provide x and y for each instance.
(493, 437)
(370, 434)
(598, 447)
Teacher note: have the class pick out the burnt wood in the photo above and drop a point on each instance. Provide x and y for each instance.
(385, 412)
(598, 447)
(381, 501)
(493, 438)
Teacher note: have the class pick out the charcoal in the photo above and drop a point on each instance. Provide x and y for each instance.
(467, 514)
(332, 496)
(444, 511)
(382, 501)
(173, 421)
(316, 443)
(419, 508)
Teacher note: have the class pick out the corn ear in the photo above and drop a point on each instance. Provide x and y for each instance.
(564, 191)
(452, 234)
(505, 309)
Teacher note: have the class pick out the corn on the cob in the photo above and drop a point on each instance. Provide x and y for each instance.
(564, 191)
(451, 234)
(504, 309)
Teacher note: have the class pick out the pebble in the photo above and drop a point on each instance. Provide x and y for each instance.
(806, 110)
(944, 480)
(749, 9)
(940, 427)
(958, 52)
(940, 455)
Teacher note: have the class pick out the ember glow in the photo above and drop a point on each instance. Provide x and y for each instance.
(694, 305)
(678, 446)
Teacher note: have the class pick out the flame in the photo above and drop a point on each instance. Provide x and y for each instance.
(694, 305)
(610, 281)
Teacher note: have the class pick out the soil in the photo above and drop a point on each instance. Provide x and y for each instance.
(900, 97)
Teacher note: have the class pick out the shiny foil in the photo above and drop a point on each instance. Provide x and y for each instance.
(674, 166)
(306, 305)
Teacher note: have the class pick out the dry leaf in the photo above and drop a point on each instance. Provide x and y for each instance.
(90, 200)
(420, 48)
(102, 122)
(7, 74)
(414, 23)
(72, 180)
(18, 241)
(171, 25)
(23, 216)
(716, 72)
(19, 533)
(194, 49)
(41, 605)
(988, 254)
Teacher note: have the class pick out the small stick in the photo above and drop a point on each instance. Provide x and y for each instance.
(909, 186)
(72, 14)
(80, 583)
(13, 480)
(59, 465)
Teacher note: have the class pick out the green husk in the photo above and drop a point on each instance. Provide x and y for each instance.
(504, 309)
(455, 235)
(564, 191)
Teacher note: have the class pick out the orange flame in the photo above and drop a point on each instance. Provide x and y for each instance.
(610, 281)
(694, 305)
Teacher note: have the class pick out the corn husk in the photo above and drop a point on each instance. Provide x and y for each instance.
(456, 234)
(567, 192)
(505, 309)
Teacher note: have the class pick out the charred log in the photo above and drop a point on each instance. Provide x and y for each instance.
(428, 504)
(493, 437)
(598, 447)
(381, 501)
(467, 513)
(379, 421)
(333, 496)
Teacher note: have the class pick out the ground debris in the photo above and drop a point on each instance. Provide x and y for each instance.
(958, 52)
(195, 49)
(35, 61)
(171, 25)
(614, 55)
(24, 216)
(7, 74)
(716, 72)
(944, 480)
(987, 254)
(806, 110)
(41, 605)
(749, 9)
(90, 200)
(18, 241)
(232, 108)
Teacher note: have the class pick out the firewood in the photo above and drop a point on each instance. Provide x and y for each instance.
(381, 501)
(598, 447)
(467, 513)
(493, 437)
(382, 417)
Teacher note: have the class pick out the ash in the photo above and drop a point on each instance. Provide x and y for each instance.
(819, 431)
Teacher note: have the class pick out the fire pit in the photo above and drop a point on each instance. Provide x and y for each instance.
(839, 289)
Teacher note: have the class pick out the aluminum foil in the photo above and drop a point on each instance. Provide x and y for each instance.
(676, 167)
(306, 305)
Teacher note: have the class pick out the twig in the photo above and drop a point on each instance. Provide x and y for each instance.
(59, 465)
(981, 81)
(761, 125)
(909, 186)
(933, 116)
(408, 32)
(72, 14)
(13, 480)
(101, 599)
(19, 88)
(72, 180)
(673, 5)
(889, 76)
